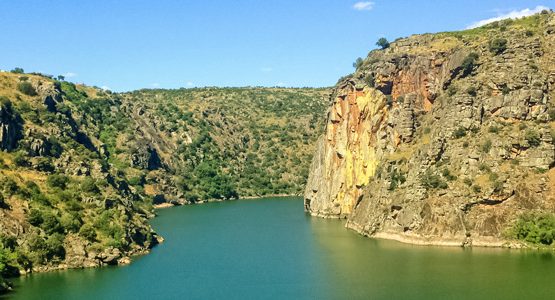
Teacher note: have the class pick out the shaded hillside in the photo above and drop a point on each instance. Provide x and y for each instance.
(81, 167)
(445, 138)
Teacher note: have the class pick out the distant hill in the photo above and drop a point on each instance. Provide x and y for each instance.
(80, 167)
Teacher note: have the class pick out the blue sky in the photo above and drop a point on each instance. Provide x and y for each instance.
(125, 45)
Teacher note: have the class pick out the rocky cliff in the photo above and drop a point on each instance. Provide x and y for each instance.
(443, 138)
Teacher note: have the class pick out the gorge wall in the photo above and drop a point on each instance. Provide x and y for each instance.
(443, 138)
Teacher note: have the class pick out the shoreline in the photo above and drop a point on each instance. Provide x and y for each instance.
(179, 203)
(455, 241)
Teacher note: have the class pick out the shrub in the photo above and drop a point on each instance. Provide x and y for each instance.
(498, 46)
(358, 63)
(17, 70)
(472, 91)
(432, 181)
(88, 185)
(26, 88)
(493, 129)
(451, 90)
(468, 181)
(35, 217)
(50, 223)
(55, 246)
(468, 64)
(57, 181)
(383, 43)
(533, 138)
(552, 114)
(459, 133)
(70, 223)
(535, 228)
(370, 80)
(529, 33)
(20, 159)
(483, 167)
(486, 147)
(447, 175)
(87, 231)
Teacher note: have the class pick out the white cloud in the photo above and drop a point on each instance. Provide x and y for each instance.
(266, 69)
(514, 14)
(190, 83)
(106, 88)
(156, 84)
(70, 75)
(364, 5)
(280, 84)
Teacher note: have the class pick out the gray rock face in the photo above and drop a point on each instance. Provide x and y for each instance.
(10, 127)
(455, 153)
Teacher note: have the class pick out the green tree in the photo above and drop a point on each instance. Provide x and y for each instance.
(358, 63)
(57, 181)
(17, 70)
(383, 43)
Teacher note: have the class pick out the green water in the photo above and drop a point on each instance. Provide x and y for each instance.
(269, 249)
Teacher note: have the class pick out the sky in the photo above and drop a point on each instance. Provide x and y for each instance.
(132, 44)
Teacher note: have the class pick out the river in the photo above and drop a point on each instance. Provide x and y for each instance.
(270, 249)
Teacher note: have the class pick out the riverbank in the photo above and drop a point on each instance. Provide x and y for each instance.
(180, 203)
(454, 241)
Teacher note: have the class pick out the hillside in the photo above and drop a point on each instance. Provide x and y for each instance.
(445, 138)
(80, 167)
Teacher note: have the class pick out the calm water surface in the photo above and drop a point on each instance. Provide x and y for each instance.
(269, 249)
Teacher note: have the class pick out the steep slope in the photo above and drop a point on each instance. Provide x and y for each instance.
(444, 138)
(80, 168)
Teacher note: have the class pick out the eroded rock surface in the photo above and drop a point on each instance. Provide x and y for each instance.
(439, 139)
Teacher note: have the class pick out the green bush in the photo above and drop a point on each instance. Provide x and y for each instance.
(26, 88)
(459, 133)
(50, 223)
(88, 185)
(371, 81)
(383, 43)
(87, 231)
(20, 159)
(57, 181)
(472, 91)
(35, 217)
(432, 181)
(468, 64)
(358, 63)
(451, 90)
(533, 138)
(486, 146)
(498, 46)
(18, 70)
(552, 114)
(535, 228)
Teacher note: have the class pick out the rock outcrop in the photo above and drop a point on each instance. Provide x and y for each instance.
(442, 139)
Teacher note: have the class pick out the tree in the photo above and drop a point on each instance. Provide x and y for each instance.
(17, 70)
(57, 181)
(382, 43)
(358, 63)
(61, 77)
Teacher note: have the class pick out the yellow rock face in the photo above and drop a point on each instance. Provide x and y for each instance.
(348, 158)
